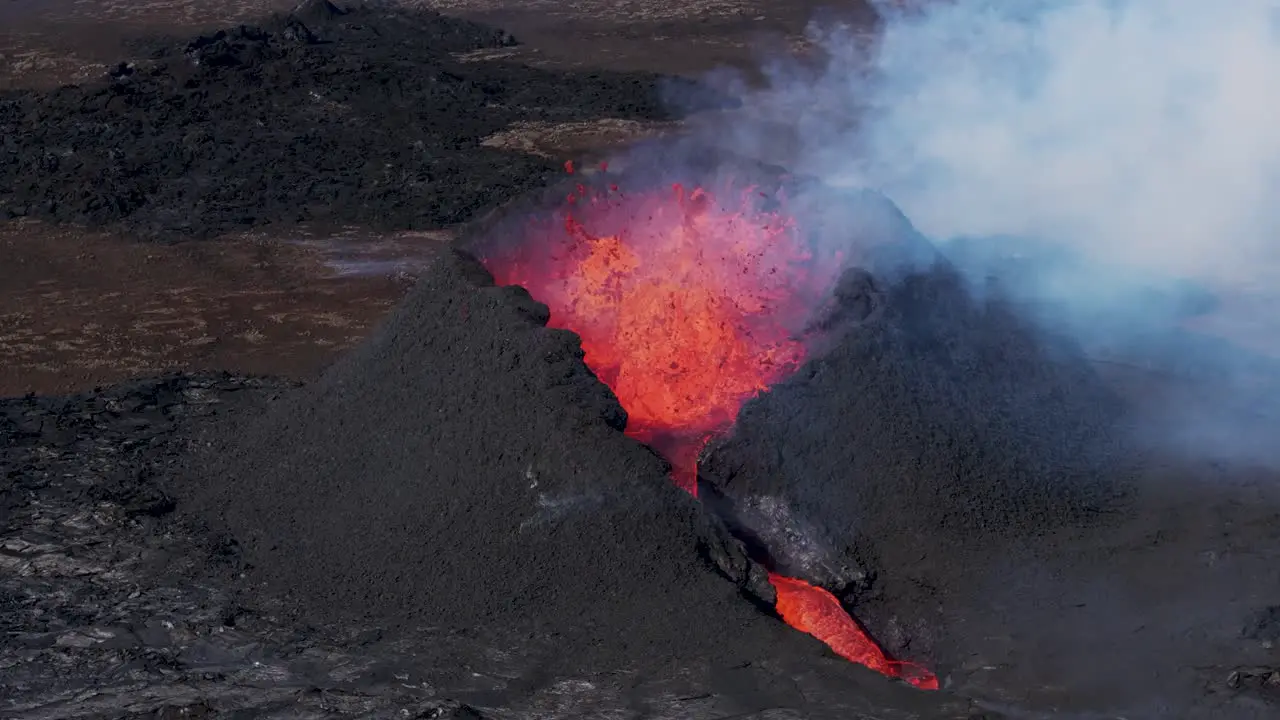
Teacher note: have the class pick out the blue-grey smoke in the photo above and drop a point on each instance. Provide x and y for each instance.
(1114, 163)
(1138, 132)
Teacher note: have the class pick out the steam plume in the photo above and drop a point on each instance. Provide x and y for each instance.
(1127, 150)
(1138, 131)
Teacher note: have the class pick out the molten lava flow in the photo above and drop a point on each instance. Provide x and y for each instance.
(687, 308)
(818, 612)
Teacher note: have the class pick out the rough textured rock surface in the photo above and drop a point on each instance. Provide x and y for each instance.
(934, 419)
(113, 607)
(363, 116)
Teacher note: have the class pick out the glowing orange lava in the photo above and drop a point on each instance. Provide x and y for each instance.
(687, 307)
(818, 612)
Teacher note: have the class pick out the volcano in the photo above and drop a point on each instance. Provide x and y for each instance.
(465, 470)
(689, 302)
(694, 302)
(468, 468)
(650, 417)
(527, 466)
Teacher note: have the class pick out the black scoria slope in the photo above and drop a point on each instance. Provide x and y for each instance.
(366, 116)
(465, 470)
(931, 423)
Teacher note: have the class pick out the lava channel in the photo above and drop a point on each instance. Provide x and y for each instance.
(687, 307)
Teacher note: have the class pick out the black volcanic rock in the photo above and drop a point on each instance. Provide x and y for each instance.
(317, 12)
(166, 621)
(361, 116)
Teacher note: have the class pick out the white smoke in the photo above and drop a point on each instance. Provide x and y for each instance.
(1140, 136)
(1143, 132)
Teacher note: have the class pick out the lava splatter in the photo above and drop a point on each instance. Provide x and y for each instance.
(686, 306)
